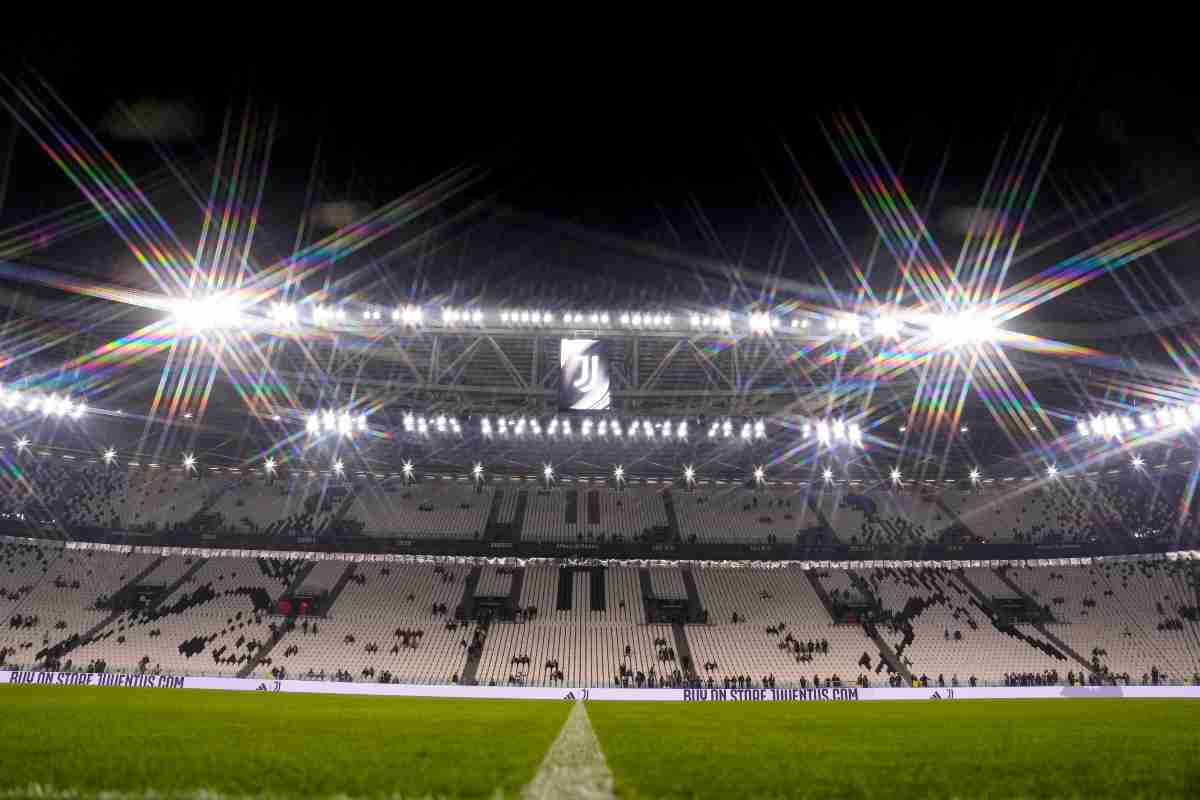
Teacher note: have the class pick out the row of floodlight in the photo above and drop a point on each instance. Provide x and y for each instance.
(831, 432)
(50, 405)
(725, 429)
(961, 326)
(343, 423)
(588, 427)
(271, 466)
(423, 425)
(1112, 426)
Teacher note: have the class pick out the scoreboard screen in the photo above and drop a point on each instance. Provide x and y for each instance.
(584, 384)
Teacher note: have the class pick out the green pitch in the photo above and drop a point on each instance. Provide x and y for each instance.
(63, 742)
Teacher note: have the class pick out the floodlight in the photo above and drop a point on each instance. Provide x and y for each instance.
(284, 314)
(477, 470)
(887, 326)
(823, 432)
(1051, 470)
(895, 475)
(689, 473)
(189, 461)
(407, 469)
(619, 473)
(269, 465)
(828, 474)
(975, 475)
(1137, 462)
(854, 433)
(338, 467)
(110, 455)
(548, 472)
(759, 473)
(207, 313)
(1112, 426)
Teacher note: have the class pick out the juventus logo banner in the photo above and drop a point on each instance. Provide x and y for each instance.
(584, 380)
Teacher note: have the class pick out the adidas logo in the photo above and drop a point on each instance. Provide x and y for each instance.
(570, 696)
(262, 687)
(936, 696)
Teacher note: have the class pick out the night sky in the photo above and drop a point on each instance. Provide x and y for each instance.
(688, 155)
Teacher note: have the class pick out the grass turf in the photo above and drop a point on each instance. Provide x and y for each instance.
(252, 743)
(904, 749)
(292, 745)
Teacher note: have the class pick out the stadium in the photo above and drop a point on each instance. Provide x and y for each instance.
(564, 460)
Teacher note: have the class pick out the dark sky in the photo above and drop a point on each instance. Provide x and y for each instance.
(685, 152)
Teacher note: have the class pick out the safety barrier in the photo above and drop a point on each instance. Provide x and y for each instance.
(831, 694)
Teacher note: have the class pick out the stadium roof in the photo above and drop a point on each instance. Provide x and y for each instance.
(1071, 227)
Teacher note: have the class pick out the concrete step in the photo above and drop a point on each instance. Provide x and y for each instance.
(885, 650)
(683, 652)
(821, 593)
(112, 617)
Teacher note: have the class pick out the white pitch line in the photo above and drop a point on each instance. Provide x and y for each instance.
(574, 766)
